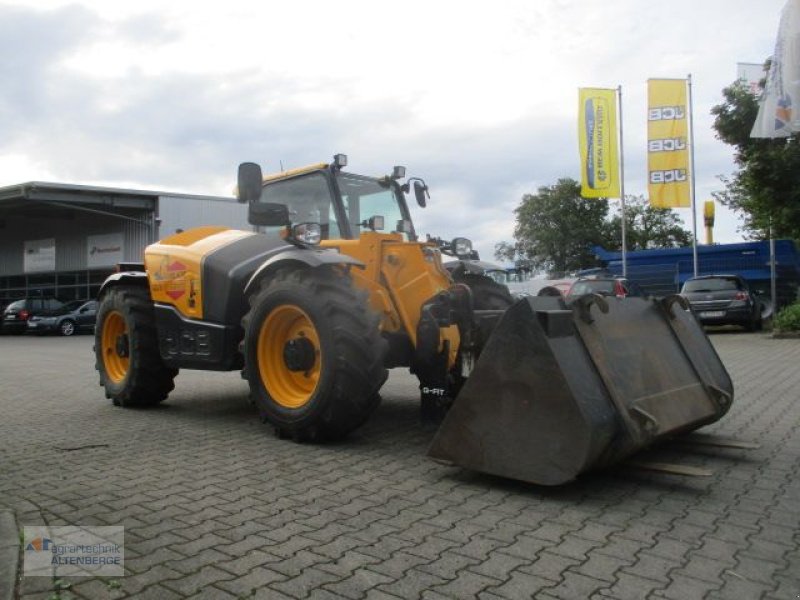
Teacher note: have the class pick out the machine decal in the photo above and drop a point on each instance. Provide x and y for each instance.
(176, 290)
(170, 269)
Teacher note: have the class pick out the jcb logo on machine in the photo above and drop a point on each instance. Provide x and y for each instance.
(667, 145)
(434, 391)
(666, 113)
(668, 176)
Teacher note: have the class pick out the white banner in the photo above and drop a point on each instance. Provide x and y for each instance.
(751, 74)
(39, 256)
(104, 250)
(779, 110)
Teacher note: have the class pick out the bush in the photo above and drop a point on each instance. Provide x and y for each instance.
(788, 318)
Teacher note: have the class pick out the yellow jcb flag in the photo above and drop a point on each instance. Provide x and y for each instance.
(597, 139)
(667, 147)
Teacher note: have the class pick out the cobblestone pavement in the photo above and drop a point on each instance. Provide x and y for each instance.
(214, 506)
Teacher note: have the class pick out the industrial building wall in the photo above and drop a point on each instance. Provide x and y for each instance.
(72, 237)
(75, 253)
(179, 212)
(68, 251)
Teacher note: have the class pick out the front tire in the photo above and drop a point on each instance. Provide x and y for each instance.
(314, 356)
(487, 294)
(126, 349)
(67, 327)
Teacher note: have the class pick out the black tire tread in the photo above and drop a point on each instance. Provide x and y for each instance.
(359, 352)
(149, 380)
(487, 294)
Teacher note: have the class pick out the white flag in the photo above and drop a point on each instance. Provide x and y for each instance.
(779, 107)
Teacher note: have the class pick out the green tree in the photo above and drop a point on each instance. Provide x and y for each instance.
(556, 227)
(766, 188)
(646, 227)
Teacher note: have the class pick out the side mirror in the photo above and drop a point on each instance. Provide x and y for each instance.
(420, 192)
(249, 182)
(268, 214)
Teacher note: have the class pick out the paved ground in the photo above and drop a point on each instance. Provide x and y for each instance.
(214, 506)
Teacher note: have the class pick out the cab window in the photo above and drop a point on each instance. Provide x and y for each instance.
(364, 198)
(308, 198)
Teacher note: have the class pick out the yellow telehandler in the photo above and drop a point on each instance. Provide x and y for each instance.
(333, 287)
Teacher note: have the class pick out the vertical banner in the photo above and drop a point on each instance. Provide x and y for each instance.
(667, 144)
(751, 74)
(708, 219)
(778, 114)
(597, 140)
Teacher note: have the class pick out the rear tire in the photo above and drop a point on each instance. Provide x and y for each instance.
(126, 349)
(314, 356)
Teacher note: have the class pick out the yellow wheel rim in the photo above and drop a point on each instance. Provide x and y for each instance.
(286, 325)
(115, 346)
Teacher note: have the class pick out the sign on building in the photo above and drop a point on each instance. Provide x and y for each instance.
(39, 256)
(104, 250)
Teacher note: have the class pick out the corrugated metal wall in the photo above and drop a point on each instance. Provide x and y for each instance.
(70, 236)
(11, 249)
(71, 228)
(136, 237)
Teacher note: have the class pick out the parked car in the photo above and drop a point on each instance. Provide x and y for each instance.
(16, 314)
(605, 286)
(540, 287)
(723, 300)
(75, 316)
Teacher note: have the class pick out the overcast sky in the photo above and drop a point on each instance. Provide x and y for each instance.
(478, 98)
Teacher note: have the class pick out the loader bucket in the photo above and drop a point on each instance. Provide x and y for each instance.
(561, 389)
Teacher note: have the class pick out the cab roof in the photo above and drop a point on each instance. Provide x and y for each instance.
(296, 171)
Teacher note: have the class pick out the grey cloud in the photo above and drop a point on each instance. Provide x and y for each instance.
(31, 44)
(188, 132)
(145, 29)
(183, 132)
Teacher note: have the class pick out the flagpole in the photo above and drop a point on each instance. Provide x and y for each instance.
(692, 187)
(622, 185)
(773, 291)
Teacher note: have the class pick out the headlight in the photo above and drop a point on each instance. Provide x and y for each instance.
(461, 247)
(308, 233)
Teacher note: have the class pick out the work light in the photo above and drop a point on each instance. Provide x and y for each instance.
(308, 233)
(462, 247)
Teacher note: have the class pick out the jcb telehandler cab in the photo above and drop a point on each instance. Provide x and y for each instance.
(334, 287)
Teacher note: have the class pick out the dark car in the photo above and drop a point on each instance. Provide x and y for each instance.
(75, 316)
(605, 286)
(723, 300)
(16, 314)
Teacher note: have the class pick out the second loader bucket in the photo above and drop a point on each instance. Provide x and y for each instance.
(560, 389)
